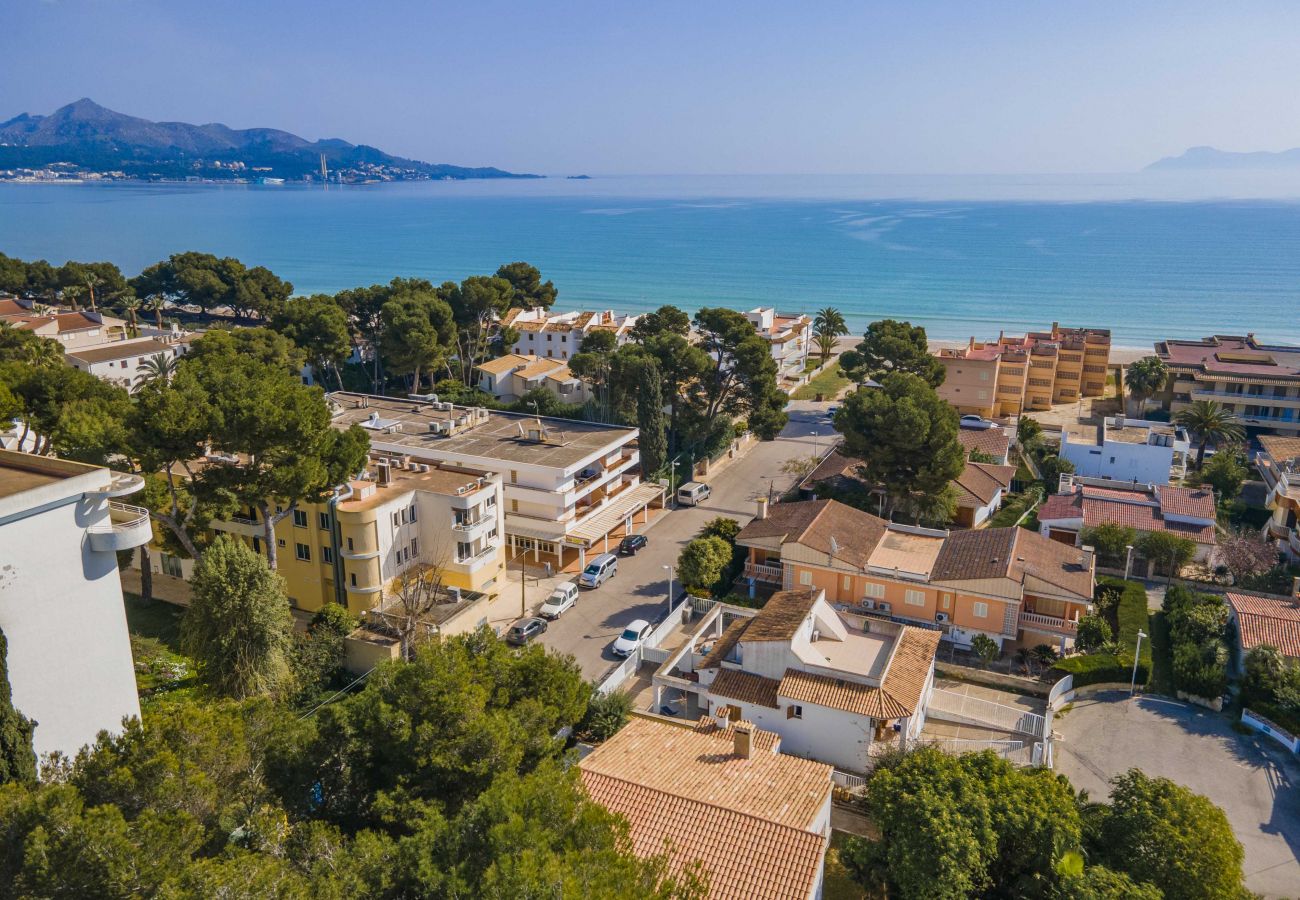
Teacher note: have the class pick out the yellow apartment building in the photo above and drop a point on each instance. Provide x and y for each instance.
(401, 517)
(1009, 584)
(1030, 372)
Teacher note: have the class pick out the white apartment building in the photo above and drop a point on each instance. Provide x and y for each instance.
(511, 376)
(1278, 463)
(836, 687)
(1127, 450)
(61, 609)
(566, 484)
(123, 362)
(553, 335)
(789, 337)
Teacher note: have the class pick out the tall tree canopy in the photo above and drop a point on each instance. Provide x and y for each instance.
(892, 346)
(319, 327)
(1211, 425)
(527, 288)
(418, 331)
(17, 759)
(742, 377)
(208, 282)
(1144, 378)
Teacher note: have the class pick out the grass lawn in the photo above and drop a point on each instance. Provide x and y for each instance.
(1012, 509)
(828, 383)
(838, 885)
(160, 667)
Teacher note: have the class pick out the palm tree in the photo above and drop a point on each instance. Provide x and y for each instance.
(828, 325)
(159, 367)
(155, 303)
(129, 304)
(43, 353)
(1144, 377)
(71, 293)
(92, 281)
(1211, 424)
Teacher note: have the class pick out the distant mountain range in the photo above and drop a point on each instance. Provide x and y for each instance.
(1210, 158)
(95, 139)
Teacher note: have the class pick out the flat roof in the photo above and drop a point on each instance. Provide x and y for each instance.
(21, 472)
(447, 480)
(406, 423)
(906, 552)
(861, 654)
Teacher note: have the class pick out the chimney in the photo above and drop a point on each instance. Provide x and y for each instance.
(744, 740)
(762, 508)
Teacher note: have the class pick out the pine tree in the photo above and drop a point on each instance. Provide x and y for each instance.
(653, 438)
(17, 759)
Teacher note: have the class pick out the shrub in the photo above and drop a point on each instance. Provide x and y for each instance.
(1197, 631)
(985, 648)
(1111, 542)
(605, 715)
(1094, 632)
(1103, 668)
(1201, 669)
(701, 562)
(1167, 549)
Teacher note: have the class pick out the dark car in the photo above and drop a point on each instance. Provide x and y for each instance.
(631, 544)
(525, 630)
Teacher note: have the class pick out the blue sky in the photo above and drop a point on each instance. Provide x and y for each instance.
(687, 87)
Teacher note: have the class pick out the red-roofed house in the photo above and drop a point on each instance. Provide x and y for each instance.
(1089, 502)
(1263, 619)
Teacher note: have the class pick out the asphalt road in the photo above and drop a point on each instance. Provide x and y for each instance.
(640, 591)
(1253, 778)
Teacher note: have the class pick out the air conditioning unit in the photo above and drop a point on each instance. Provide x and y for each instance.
(882, 606)
(867, 603)
(941, 617)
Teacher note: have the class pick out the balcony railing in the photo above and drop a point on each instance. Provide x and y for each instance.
(477, 556)
(1052, 623)
(760, 572)
(127, 527)
(471, 524)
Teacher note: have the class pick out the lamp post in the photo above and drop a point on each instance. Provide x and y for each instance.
(816, 444)
(670, 587)
(1128, 560)
(1137, 654)
(672, 479)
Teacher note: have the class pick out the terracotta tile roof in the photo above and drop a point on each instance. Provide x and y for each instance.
(540, 367)
(813, 523)
(910, 666)
(694, 765)
(1195, 502)
(11, 307)
(763, 740)
(781, 616)
(1061, 506)
(507, 363)
(1143, 518)
(1016, 554)
(745, 687)
(1279, 447)
(77, 321)
(722, 646)
(120, 350)
(993, 441)
(979, 483)
(849, 696)
(743, 856)
(1267, 620)
(834, 465)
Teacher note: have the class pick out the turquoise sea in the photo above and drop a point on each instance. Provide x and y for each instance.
(960, 256)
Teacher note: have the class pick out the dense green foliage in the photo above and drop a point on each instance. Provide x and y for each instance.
(1198, 627)
(1111, 542)
(440, 778)
(828, 326)
(1210, 425)
(907, 440)
(1144, 378)
(1093, 634)
(1124, 608)
(606, 714)
(238, 626)
(1225, 473)
(652, 438)
(702, 561)
(1271, 686)
(17, 760)
(890, 346)
(1167, 551)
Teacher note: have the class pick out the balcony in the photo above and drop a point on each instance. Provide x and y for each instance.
(127, 527)
(764, 573)
(476, 557)
(1243, 397)
(472, 526)
(1053, 624)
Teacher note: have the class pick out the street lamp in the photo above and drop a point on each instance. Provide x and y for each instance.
(1137, 654)
(816, 444)
(670, 587)
(1128, 560)
(672, 479)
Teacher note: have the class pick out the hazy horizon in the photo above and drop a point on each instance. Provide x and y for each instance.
(933, 88)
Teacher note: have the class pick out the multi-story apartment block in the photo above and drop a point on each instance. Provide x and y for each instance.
(1127, 450)
(1007, 583)
(566, 484)
(837, 687)
(1278, 463)
(123, 362)
(1257, 382)
(401, 518)
(1031, 372)
(61, 609)
(559, 335)
(789, 337)
(511, 376)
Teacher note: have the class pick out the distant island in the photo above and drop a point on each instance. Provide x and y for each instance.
(85, 141)
(1210, 158)
(579, 177)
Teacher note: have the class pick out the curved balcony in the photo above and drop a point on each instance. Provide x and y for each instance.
(127, 527)
(122, 484)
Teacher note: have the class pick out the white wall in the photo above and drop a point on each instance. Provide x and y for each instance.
(1122, 461)
(61, 609)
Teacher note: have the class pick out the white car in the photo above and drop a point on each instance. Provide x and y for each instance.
(631, 638)
(562, 599)
(970, 421)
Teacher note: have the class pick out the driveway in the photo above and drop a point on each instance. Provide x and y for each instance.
(640, 591)
(1255, 781)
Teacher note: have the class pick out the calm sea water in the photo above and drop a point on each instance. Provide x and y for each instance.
(1014, 254)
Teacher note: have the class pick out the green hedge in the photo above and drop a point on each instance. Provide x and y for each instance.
(1100, 668)
(1130, 614)
(1129, 617)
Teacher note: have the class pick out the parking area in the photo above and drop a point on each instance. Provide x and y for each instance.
(1255, 781)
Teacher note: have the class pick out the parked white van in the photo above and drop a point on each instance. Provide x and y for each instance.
(693, 493)
(599, 570)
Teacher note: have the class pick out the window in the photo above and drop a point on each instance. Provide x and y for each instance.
(549, 338)
(415, 546)
(848, 582)
(326, 555)
(464, 551)
(280, 543)
(324, 519)
(946, 600)
(412, 512)
(874, 590)
(257, 545)
(981, 610)
(514, 476)
(300, 518)
(403, 514)
(349, 545)
(171, 565)
(914, 598)
(352, 579)
(514, 506)
(396, 521)
(794, 711)
(984, 375)
(805, 577)
(303, 552)
(983, 395)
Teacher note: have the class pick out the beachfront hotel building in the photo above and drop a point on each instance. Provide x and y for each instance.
(566, 485)
(1259, 383)
(1026, 373)
(61, 609)
(788, 337)
(559, 335)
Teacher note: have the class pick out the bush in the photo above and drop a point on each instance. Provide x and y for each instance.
(985, 648)
(605, 715)
(1201, 669)
(1198, 625)
(1103, 668)
(1094, 633)
(1110, 541)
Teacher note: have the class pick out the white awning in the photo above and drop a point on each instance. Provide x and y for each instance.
(613, 514)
